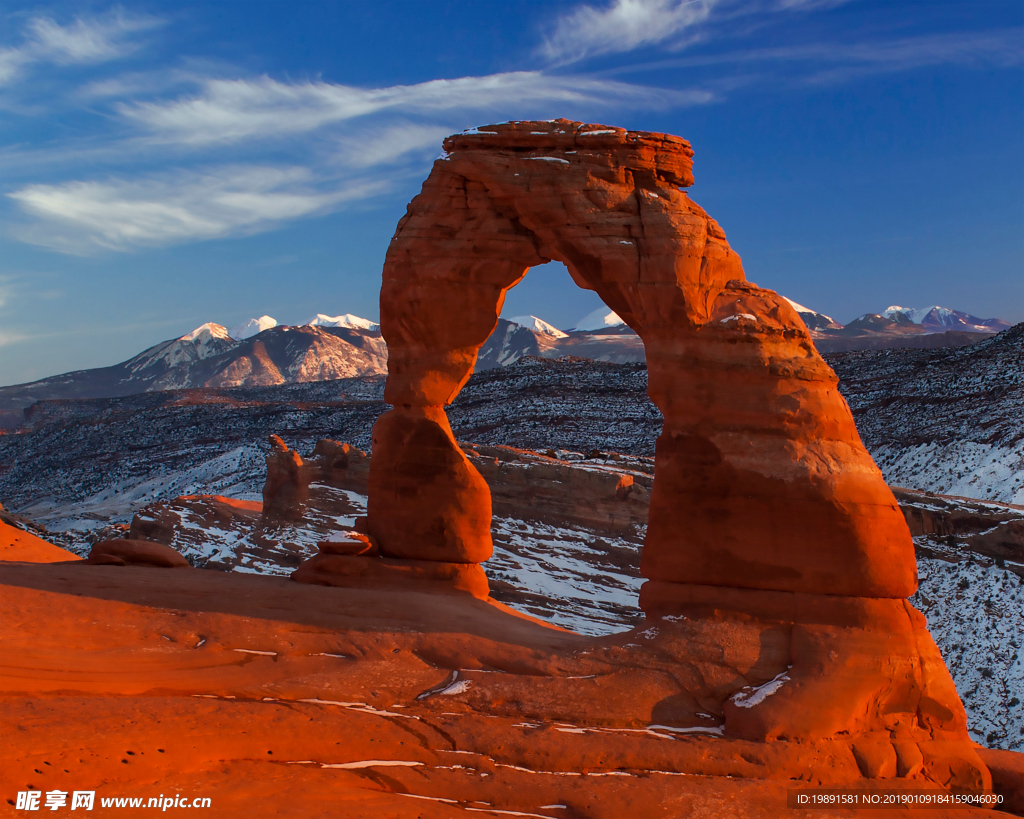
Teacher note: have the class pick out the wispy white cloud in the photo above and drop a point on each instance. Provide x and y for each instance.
(838, 61)
(233, 110)
(809, 5)
(398, 126)
(359, 128)
(86, 40)
(623, 26)
(977, 49)
(120, 214)
(389, 144)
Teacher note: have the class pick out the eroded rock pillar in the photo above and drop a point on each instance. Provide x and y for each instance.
(451, 261)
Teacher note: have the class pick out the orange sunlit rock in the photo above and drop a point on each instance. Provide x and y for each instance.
(762, 480)
(18, 545)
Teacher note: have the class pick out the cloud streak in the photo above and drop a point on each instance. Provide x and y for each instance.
(362, 128)
(11, 337)
(837, 61)
(120, 214)
(333, 134)
(86, 40)
(228, 111)
(623, 26)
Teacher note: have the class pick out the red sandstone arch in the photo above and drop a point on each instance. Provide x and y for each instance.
(761, 480)
(771, 531)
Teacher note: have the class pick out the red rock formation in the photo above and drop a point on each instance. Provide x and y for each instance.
(349, 543)
(531, 486)
(24, 547)
(162, 522)
(287, 486)
(995, 530)
(363, 570)
(1007, 777)
(294, 483)
(762, 481)
(126, 552)
(767, 515)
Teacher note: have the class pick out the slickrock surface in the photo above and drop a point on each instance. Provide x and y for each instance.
(210, 358)
(21, 545)
(280, 699)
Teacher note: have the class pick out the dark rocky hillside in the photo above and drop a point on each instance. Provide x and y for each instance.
(949, 420)
(925, 415)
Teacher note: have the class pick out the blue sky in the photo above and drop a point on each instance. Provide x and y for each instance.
(167, 164)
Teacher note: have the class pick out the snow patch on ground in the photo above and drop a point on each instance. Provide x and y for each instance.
(239, 473)
(976, 615)
(975, 470)
(571, 577)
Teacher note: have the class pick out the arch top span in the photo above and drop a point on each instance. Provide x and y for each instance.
(761, 479)
(604, 201)
(668, 158)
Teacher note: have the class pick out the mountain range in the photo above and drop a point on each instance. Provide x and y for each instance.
(210, 356)
(261, 352)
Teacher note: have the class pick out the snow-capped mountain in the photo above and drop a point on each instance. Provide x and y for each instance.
(604, 319)
(538, 326)
(813, 319)
(600, 319)
(252, 327)
(205, 341)
(927, 327)
(513, 339)
(262, 352)
(347, 320)
(938, 319)
(210, 356)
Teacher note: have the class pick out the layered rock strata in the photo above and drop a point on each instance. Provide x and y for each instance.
(766, 511)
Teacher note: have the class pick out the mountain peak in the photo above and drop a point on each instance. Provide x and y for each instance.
(252, 327)
(600, 319)
(938, 319)
(347, 320)
(204, 332)
(537, 325)
(813, 319)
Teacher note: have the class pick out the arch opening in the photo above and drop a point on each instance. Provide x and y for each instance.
(549, 293)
